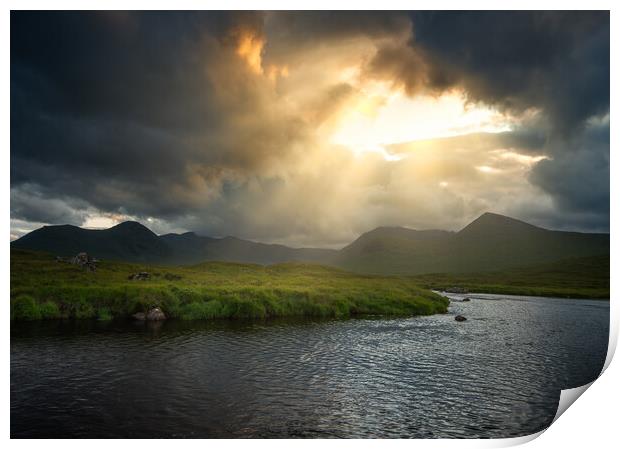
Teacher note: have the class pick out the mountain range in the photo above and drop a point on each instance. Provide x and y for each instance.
(491, 242)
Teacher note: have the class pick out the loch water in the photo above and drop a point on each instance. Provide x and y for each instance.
(498, 374)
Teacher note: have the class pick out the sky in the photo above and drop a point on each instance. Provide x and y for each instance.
(309, 128)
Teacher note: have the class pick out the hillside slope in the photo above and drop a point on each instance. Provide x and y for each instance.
(491, 242)
(190, 248)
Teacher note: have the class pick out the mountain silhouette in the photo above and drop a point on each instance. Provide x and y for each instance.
(491, 242)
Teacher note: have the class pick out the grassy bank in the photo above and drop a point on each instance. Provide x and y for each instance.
(42, 288)
(586, 277)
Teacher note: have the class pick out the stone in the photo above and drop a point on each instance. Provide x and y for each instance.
(466, 299)
(460, 318)
(155, 314)
(140, 316)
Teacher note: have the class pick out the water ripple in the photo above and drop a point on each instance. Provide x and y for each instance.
(496, 375)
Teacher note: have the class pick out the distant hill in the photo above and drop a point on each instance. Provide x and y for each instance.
(396, 251)
(133, 242)
(129, 241)
(491, 242)
(190, 248)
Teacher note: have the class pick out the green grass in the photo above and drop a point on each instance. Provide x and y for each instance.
(586, 277)
(42, 288)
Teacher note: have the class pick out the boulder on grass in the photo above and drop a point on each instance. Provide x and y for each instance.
(142, 276)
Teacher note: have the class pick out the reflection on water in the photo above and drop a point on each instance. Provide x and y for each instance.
(498, 374)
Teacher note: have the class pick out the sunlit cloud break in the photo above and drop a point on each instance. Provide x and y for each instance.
(308, 128)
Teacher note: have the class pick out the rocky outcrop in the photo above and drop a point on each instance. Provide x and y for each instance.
(82, 260)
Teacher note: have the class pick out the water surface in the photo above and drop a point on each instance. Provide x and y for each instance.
(498, 374)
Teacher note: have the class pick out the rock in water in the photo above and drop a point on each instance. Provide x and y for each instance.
(466, 299)
(155, 315)
(140, 316)
(460, 318)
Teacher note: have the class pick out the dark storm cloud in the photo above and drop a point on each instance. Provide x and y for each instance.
(557, 61)
(155, 114)
(578, 177)
(291, 32)
(125, 110)
(105, 65)
(29, 204)
(86, 88)
(147, 69)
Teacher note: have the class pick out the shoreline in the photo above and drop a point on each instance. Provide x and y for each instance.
(536, 292)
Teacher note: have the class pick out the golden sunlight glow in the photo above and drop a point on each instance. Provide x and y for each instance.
(522, 159)
(487, 169)
(273, 72)
(381, 118)
(103, 221)
(250, 48)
